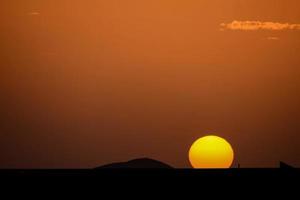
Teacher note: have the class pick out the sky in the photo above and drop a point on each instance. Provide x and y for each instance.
(85, 83)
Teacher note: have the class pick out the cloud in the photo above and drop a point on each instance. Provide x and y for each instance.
(273, 38)
(258, 25)
(34, 13)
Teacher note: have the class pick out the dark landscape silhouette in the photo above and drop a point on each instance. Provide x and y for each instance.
(147, 169)
(141, 163)
(148, 163)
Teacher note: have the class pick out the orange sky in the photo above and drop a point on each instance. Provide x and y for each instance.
(84, 83)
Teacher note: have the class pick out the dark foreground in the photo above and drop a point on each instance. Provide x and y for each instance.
(123, 174)
(142, 183)
(147, 180)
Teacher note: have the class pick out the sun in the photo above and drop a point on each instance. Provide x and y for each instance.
(211, 152)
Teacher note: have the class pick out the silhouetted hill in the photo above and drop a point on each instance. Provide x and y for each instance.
(283, 165)
(141, 163)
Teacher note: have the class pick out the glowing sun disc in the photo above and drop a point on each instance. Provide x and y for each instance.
(211, 152)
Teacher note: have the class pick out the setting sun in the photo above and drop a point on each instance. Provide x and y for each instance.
(211, 152)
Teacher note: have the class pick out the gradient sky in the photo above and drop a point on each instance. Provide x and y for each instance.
(85, 83)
